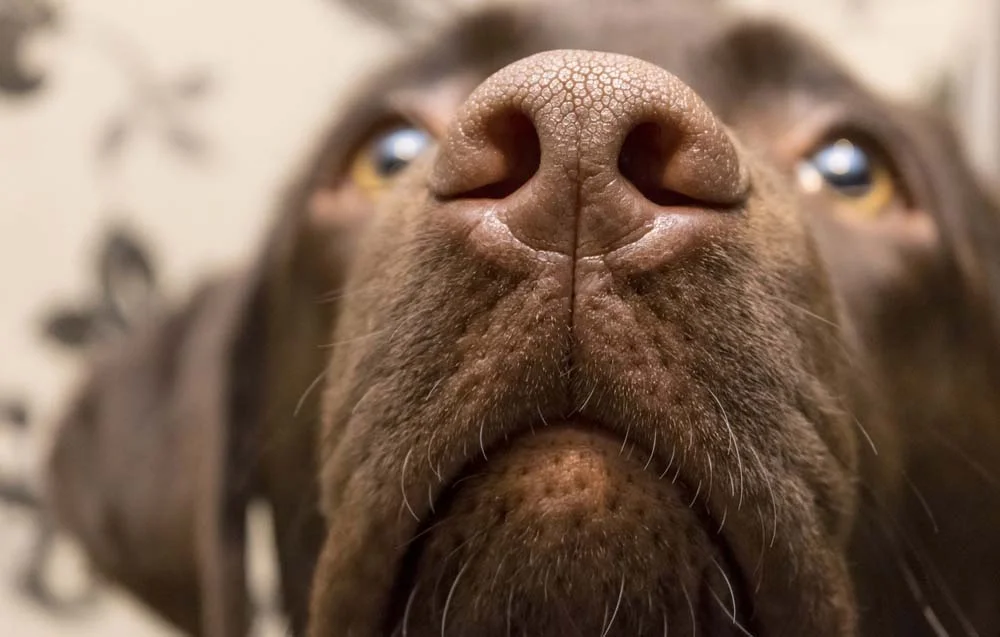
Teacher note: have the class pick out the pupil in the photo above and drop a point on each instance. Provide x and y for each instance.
(397, 149)
(845, 167)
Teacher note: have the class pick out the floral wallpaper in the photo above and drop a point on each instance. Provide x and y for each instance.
(158, 133)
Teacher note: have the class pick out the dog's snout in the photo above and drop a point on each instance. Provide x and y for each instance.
(578, 152)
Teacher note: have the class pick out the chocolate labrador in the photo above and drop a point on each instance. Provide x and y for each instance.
(587, 318)
(126, 295)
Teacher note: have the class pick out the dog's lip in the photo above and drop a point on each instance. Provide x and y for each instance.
(738, 586)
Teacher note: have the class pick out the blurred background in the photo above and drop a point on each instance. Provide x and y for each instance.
(180, 121)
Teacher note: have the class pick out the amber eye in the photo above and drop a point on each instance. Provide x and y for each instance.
(853, 173)
(387, 154)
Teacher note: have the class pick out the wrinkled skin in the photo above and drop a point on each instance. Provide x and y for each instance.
(597, 362)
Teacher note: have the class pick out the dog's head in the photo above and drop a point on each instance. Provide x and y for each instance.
(653, 321)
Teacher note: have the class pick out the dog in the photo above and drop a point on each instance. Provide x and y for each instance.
(584, 318)
(127, 294)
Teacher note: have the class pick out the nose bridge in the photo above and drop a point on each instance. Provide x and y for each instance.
(553, 127)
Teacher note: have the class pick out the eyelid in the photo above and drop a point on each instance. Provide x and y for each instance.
(808, 133)
(435, 107)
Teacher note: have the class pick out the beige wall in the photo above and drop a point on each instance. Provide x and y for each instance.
(280, 69)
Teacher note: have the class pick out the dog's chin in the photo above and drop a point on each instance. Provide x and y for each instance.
(568, 531)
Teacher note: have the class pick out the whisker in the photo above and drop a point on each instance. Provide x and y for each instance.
(864, 432)
(433, 389)
(972, 464)
(342, 293)
(510, 605)
(733, 443)
(923, 501)
(435, 468)
(409, 608)
(614, 614)
(451, 592)
(770, 489)
(711, 474)
(673, 452)
(845, 347)
(806, 311)
(918, 595)
(694, 620)
(732, 618)
(729, 585)
(496, 573)
(421, 534)
(586, 400)
(757, 571)
(628, 430)
(545, 423)
(354, 339)
(302, 399)
(482, 447)
(402, 485)
(894, 537)
(652, 452)
(696, 494)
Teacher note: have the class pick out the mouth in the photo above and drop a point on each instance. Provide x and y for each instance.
(566, 530)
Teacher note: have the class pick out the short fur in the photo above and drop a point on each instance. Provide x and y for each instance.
(812, 393)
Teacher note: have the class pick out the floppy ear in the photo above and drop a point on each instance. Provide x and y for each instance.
(127, 278)
(967, 211)
(222, 381)
(275, 371)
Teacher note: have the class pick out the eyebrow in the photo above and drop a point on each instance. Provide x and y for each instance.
(762, 54)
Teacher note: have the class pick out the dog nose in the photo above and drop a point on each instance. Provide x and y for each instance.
(579, 152)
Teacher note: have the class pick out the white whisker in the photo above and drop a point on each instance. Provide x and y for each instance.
(409, 608)
(733, 443)
(614, 614)
(309, 390)
(923, 501)
(696, 494)
(694, 620)
(864, 432)
(402, 486)
(770, 489)
(729, 585)
(652, 452)
(451, 592)
(732, 618)
(673, 452)
(628, 430)
(586, 400)
(354, 339)
(482, 447)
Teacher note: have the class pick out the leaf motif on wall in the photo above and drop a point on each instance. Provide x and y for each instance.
(19, 21)
(193, 85)
(113, 136)
(184, 140)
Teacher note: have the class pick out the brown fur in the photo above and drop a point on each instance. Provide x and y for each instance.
(775, 416)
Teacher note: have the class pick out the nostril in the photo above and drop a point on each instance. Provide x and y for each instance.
(512, 135)
(644, 159)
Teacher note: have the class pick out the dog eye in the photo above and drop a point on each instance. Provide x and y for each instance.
(856, 175)
(386, 154)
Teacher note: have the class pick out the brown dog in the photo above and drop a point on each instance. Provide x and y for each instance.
(671, 329)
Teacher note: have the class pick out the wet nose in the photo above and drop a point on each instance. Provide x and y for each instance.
(580, 152)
